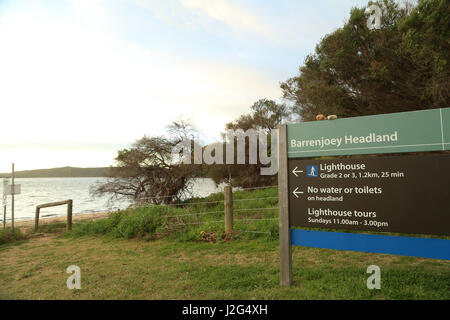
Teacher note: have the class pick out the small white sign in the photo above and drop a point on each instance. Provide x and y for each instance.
(8, 189)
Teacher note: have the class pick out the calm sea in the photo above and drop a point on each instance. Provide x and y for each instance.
(35, 191)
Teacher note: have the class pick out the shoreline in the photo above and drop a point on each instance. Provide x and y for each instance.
(29, 224)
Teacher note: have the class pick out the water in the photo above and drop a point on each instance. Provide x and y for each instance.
(35, 191)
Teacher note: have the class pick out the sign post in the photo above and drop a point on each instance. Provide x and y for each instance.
(401, 194)
(283, 196)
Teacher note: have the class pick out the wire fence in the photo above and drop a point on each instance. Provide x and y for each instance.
(255, 199)
(255, 214)
(248, 215)
(257, 188)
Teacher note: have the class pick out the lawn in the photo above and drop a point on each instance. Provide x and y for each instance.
(168, 269)
(124, 258)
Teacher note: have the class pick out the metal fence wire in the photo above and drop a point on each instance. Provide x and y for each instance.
(244, 217)
(239, 208)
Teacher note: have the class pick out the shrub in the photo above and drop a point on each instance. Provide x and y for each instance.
(122, 224)
(7, 236)
(138, 224)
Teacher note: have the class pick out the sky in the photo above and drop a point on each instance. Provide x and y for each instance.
(81, 79)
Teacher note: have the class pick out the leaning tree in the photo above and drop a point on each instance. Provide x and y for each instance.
(147, 172)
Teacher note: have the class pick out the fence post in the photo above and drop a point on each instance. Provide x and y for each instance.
(69, 215)
(36, 219)
(5, 183)
(283, 205)
(12, 199)
(228, 195)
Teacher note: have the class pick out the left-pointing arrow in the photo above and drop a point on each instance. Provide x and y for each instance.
(296, 192)
(295, 171)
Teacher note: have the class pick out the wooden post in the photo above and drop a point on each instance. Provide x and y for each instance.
(36, 219)
(283, 208)
(228, 195)
(69, 215)
(5, 184)
(12, 200)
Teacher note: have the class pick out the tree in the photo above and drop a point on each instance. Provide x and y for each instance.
(425, 34)
(147, 171)
(356, 71)
(266, 115)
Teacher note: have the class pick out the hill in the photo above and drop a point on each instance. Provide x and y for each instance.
(64, 172)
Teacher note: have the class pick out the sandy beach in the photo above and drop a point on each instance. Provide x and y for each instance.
(26, 225)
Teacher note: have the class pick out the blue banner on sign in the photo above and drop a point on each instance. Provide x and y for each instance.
(403, 246)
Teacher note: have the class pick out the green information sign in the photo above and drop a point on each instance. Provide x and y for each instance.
(396, 193)
(446, 127)
(416, 131)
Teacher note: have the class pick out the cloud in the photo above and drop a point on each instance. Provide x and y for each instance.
(217, 17)
(63, 81)
(94, 9)
(288, 24)
(95, 71)
(236, 16)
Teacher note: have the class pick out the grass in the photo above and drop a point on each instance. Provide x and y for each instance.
(255, 216)
(6, 236)
(162, 269)
(145, 256)
(55, 227)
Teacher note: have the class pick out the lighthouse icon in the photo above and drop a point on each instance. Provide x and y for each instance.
(312, 171)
